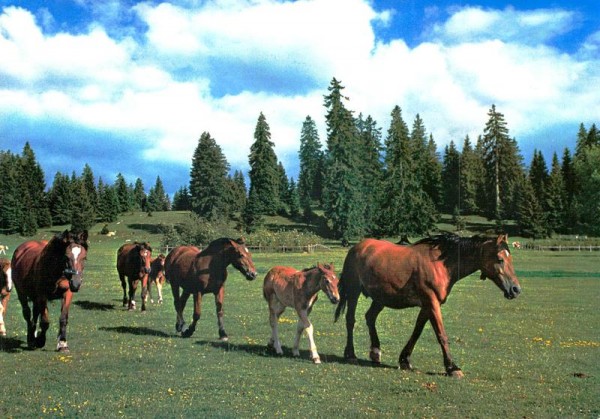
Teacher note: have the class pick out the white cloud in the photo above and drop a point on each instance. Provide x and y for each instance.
(124, 86)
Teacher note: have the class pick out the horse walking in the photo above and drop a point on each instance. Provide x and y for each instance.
(200, 272)
(133, 262)
(157, 277)
(49, 270)
(286, 287)
(422, 275)
(6, 285)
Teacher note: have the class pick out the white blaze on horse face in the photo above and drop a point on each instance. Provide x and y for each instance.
(76, 252)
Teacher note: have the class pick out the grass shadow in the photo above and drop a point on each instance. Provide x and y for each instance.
(11, 345)
(150, 228)
(263, 350)
(94, 306)
(138, 331)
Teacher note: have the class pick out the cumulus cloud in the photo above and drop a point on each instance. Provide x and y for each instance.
(214, 66)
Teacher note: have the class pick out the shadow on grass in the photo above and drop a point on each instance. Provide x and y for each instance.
(11, 345)
(139, 331)
(262, 350)
(148, 227)
(94, 306)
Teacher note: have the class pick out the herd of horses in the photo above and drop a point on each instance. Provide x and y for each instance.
(397, 276)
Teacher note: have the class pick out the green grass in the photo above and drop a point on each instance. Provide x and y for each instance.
(536, 356)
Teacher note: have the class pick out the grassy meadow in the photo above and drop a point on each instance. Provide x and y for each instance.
(536, 356)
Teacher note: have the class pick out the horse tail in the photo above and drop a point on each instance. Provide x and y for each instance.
(348, 283)
(343, 291)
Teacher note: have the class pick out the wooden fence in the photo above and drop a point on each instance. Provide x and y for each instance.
(309, 248)
(561, 248)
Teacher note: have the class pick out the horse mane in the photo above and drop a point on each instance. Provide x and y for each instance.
(452, 245)
(325, 265)
(144, 245)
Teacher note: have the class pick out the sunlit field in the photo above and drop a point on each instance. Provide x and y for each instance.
(536, 356)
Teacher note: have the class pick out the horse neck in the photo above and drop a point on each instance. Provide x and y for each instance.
(51, 258)
(468, 259)
(312, 281)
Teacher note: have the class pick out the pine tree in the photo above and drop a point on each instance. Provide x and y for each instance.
(209, 190)
(89, 183)
(83, 214)
(238, 191)
(11, 207)
(588, 195)
(264, 173)
(158, 200)
(554, 203)
(530, 216)
(470, 169)
(182, 200)
(122, 190)
(284, 187)
(451, 178)
(310, 180)
(61, 197)
(139, 195)
(432, 176)
(33, 186)
(293, 199)
(538, 175)
(108, 206)
(343, 189)
(371, 170)
(503, 167)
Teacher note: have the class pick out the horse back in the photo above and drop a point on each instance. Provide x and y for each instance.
(24, 262)
(284, 282)
(126, 260)
(179, 264)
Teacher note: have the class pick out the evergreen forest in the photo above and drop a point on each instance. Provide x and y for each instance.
(363, 179)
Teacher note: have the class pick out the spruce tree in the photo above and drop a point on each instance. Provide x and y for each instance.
(11, 207)
(108, 206)
(209, 189)
(158, 200)
(264, 173)
(61, 199)
(122, 190)
(239, 192)
(451, 178)
(284, 188)
(538, 175)
(470, 169)
(310, 179)
(182, 200)
(554, 202)
(588, 195)
(371, 170)
(530, 216)
(33, 186)
(343, 189)
(432, 176)
(139, 195)
(89, 183)
(83, 214)
(293, 199)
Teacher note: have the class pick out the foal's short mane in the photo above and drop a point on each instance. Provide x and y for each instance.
(452, 245)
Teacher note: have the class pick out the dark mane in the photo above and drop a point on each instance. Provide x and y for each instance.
(453, 246)
(144, 245)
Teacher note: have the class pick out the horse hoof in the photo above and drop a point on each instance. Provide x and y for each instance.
(296, 353)
(62, 347)
(316, 360)
(224, 338)
(458, 374)
(187, 333)
(40, 341)
(375, 355)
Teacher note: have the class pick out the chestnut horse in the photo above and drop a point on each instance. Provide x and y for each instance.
(6, 285)
(201, 272)
(49, 270)
(157, 277)
(133, 262)
(422, 275)
(287, 287)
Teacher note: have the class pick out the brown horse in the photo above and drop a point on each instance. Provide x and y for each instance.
(287, 287)
(422, 275)
(6, 285)
(157, 276)
(133, 262)
(45, 271)
(201, 272)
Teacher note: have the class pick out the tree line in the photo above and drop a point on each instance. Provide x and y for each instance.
(366, 183)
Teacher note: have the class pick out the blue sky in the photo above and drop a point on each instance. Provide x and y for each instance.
(130, 86)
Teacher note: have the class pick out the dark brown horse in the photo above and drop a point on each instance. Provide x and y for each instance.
(133, 262)
(45, 271)
(201, 272)
(287, 287)
(6, 285)
(157, 277)
(422, 275)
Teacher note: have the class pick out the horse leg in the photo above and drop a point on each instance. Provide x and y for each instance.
(187, 333)
(275, 311)
(219, 304)
(305, 325)
(144, 291)
(349, 353)
(132, 289)
(26, 310)
(2, 326)
(422, 319)
(124, 286)
(371, 317)
(159, 289)
(62, 345)
(438, 326)
(179, 304)
(41, 309)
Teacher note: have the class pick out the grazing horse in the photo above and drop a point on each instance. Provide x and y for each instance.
(201, 272)
(157, 276)
(49, 270)
(6, 285)
(422, 275)
(133, 262)
(287, 287)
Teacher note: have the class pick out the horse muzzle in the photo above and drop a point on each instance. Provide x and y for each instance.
(511, 290)
(75, 279)
(250, 275)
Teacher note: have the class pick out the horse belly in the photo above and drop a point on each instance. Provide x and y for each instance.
(395, 297)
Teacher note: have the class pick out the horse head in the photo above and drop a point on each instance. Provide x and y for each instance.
(145, 258)
(497, 264)
(242, 259)
(329, 282)
(6, 283)
(75, 255)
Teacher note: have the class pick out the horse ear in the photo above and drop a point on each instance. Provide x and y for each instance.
(502, 238)
(320, 265)
(84, 235)
(241, 240)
